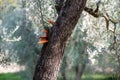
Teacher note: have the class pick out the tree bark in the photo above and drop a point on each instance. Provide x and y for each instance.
(63, 68)
(49, 62)
(80, 71)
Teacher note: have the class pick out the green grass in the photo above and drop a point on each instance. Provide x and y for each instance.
(98, 77)
(10, 76)
(15, 76)
(70, 76)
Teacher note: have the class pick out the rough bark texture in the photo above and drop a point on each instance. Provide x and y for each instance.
(49, 62)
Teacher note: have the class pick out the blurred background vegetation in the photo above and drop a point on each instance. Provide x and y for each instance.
(93, 52)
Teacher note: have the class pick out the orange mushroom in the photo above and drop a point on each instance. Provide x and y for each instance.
(46, 32)
(51, 22)
(43, 40)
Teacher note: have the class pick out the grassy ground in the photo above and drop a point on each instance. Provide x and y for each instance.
(14, 76)
(10, 76)
(92, 77)
(98, 77)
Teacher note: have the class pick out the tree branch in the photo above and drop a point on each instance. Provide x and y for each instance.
(96, 13)
(92, 12)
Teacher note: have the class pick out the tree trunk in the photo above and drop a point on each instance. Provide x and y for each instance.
(80, 71)
(63, 69)
(49, 62)
(64, 75)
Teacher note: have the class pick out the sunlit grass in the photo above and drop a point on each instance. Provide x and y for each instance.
(71, 76)
(10, 76)
(95, 76)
